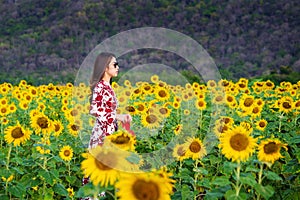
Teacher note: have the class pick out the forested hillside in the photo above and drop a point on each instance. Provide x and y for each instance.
(44, 41)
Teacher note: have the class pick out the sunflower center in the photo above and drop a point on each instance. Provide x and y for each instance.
(130, 108)
(143, 190)
(151, 119)
(180, 151)
(101, 165)
(17, 133)
(270, 148)
(255, 110)
(74, 112)
(163, 111)
(42, 122)
(121, 140)
(219, 98)
(162, 93)
(286, 105)
(141, 107)
(229, 99)
(248, 102)
(200, 103)
(3, 110)
(262, 124)
(67, 152)
(57, 127)
(239, 142)
(297, 104)
(195, 147)
(75, 127)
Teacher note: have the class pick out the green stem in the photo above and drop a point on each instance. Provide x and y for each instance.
(280, 117)
(237, 185)
(260, 177)
(196, 177)
(200, 119)
(8, 157)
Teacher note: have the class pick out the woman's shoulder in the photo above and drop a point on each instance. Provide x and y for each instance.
(102, 85)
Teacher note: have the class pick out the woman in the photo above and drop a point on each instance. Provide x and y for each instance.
(104, 103)
(103, 100)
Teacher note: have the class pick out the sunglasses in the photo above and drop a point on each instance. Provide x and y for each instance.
(116, 64)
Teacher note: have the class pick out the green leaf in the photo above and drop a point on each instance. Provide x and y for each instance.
(201, 170)
(71, 179)
(273, 176)
(86, 190)
(48, 194)
(248, 180)
(186, 192)
(18, 190)
(60, 189)
(231, 194)
(45, 175)
(265, 191)
(221, 181)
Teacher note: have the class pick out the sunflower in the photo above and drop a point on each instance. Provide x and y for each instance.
(23, 105)
(163, 111)
(237, 144)
(219, 98)
(147, 88)
(66, 153)
(70, 192)
(211, 84)
(3, 101)
(256, 111)
(242, 84)
(200, 104)
(194, 148)
(269, 150)
(16, 134)
(74, 128)
(176, 104)
(297, 104)
(58, 127)
(4, 111)
(12, 108)
(220, 128)
(149, 185)
(103, 165)
(179, 152)
(246, 103)
(261, 124)
(162, 94)
(140, 107)
(230, 101)
(4, 120)
(178, 129)
(121, 139)
(154, 78)
(151, 120)
(286, 104)
(41, 124)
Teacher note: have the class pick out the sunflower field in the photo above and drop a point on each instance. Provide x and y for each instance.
(214, 140)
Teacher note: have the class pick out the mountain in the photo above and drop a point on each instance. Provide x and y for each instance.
(43, 41)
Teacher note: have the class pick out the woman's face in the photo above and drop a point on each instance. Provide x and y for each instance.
(113, 68)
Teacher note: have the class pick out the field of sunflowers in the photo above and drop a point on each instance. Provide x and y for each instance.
(216, 140)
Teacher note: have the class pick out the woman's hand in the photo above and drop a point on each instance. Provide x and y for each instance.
(124, 118)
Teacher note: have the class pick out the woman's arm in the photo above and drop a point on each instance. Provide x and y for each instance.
(124, 118)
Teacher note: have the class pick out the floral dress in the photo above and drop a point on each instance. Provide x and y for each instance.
(103, 107)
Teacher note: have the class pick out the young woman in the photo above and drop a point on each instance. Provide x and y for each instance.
(103, 100)
(104, 103)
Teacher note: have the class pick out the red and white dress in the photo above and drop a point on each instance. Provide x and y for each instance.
(103, 107)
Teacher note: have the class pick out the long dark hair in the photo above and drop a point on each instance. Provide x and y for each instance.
(101, 63)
